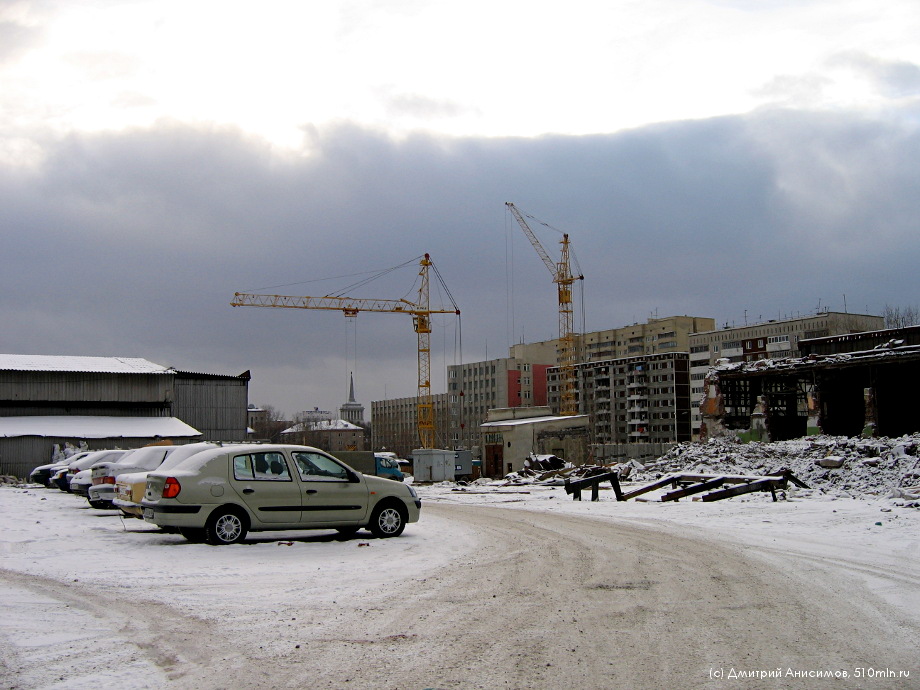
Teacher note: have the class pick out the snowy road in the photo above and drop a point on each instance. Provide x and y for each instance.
(474, 596)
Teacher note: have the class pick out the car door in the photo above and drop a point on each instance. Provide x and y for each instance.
(263, 481)
(329, 494)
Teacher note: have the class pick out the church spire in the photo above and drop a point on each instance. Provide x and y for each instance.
(352, 411)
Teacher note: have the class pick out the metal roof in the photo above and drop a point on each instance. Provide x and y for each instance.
(88, 426)
(533, 420)
(75, 363)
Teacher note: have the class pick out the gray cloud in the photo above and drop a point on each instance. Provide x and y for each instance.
(893, 78)
(134, 243)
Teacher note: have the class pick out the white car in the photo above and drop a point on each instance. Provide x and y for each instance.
(80, 483)
(219, 495)
(64, 478)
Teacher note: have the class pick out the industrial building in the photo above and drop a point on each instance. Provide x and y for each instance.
(108, 402)
(511, 435)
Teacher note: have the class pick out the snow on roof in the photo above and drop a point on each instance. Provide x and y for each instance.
(79, 426)
(887, 351)
(531, 420)
(100, 365)
(322, 425)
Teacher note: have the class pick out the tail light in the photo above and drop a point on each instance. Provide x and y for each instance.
(171, 488)
(108, 480)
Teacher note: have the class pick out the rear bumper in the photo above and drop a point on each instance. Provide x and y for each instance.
(102, 492)
(173, 515)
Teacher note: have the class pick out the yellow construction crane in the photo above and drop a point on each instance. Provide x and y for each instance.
(562, 276)
(350, 307)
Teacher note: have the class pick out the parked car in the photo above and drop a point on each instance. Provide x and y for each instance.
(220, 495)
(43, 473)
(102, 491)
(129, 486)
(63, 478)
(81, 482)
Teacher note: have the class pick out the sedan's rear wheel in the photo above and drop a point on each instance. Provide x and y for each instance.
(226, 526)
(388, 520)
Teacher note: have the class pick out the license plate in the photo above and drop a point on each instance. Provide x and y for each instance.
(148, 513)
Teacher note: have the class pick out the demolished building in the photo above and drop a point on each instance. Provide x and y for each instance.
(861, 384)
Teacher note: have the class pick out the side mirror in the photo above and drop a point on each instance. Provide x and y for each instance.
(353, 477)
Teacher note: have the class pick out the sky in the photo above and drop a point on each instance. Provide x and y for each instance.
(734, 160)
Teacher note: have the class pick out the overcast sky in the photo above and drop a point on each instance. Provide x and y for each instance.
(740, 160)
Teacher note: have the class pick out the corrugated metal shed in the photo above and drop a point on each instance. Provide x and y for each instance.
(77, 389)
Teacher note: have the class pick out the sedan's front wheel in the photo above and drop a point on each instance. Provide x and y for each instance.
(388, 520)
(226, 526)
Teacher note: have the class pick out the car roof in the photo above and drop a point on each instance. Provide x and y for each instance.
(98, 456)
(199, 460)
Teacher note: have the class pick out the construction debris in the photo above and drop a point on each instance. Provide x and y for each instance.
(831, 465)
(698, 483)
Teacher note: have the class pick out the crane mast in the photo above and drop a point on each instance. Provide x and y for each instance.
(562, 276)
(420, 311)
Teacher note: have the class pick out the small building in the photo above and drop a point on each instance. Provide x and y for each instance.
(512, 434)
(327, 434)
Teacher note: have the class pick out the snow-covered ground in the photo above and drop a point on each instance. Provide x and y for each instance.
(92, 600)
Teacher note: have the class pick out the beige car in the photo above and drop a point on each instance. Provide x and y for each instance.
(129, 487)
(221, 494)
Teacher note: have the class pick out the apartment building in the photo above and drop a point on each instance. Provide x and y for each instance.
(527, 377)
(641, 399)
(773, 339)
(657, 335)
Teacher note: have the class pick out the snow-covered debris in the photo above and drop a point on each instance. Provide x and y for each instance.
(853, 466)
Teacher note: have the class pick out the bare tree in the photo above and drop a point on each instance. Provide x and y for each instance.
(900, 317)
(308, 432)
(270, 424)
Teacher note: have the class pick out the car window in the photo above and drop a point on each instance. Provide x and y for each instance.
(318, 467)
(261, 466)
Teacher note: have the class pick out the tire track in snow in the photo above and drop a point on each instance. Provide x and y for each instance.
(557, 601)
(100, 638)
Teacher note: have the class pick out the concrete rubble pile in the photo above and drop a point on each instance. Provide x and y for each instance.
(856, 467)
(839, 466)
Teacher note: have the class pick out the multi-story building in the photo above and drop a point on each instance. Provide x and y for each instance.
(667, 335)
(773, 339)
(657, 335)
(528, 376)
(394, 424)
(641, 399)
(475, 388)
